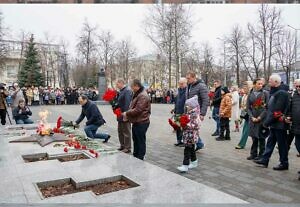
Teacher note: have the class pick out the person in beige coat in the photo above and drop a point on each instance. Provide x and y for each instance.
(235, 111)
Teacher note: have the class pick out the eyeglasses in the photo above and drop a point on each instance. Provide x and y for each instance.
(297, 86)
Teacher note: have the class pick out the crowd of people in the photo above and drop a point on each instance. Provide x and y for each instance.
(270, 114)
(53, 96)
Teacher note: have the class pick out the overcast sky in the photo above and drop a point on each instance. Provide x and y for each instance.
(211, 21)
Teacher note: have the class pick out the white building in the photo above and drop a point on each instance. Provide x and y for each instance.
(49, 56)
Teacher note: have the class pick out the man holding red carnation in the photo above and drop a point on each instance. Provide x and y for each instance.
(278, 104)
(124, 127)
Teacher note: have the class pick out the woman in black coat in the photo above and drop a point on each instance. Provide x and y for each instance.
(256, 107)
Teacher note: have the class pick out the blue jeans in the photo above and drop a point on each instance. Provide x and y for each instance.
(91, 132)
(24, 121)
(216, 117)
(200, 143)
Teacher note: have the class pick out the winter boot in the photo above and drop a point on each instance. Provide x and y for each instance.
(193, 164)
(183, 168)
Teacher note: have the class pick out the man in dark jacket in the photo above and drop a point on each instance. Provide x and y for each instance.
(179, 108)
(294, 115)
(94, 119)
(124, 127)
(3, 106)
(139, 115)
(216, 102)
(277, 108)
(197, 87)
(21, 113)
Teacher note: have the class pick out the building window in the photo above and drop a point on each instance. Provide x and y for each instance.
(11, 71)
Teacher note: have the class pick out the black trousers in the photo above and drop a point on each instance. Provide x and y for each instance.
(257, 143)
(139, 139)
(279, 136)
(224, 124)
(3, 116)
(189, 154)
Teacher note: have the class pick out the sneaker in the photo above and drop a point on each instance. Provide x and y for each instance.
(193, 164)
(183, 168)
(106, 140)
(239, 147)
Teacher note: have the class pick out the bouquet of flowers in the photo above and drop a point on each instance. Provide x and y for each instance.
(279, 115)
(258, 103)
(179, 121)
(111, 96)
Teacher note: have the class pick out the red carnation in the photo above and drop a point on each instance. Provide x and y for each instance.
(173, 124)
(109, 95)
(184, 120)
(65, 149)
(83, 147)
(278, 115)
(96, 154)
(92, 151)
(117, 112)
(58, 122)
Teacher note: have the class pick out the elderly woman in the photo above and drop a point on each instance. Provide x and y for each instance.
(244, 115)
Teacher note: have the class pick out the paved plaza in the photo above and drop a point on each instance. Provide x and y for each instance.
(220, 165)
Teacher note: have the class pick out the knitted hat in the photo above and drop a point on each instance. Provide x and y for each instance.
(192, 102)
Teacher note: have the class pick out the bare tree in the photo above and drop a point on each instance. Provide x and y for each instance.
(169, 28)
(252, 56)
(207, 62)
(236, 45)
(285, 52)
(125, 52)
(267, 29)
(64, 68)
(86, 47)
(3, 45)
(106, 51)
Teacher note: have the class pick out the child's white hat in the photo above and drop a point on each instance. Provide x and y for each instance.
(192, 102)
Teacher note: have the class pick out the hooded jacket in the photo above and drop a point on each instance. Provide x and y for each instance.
(226, 105)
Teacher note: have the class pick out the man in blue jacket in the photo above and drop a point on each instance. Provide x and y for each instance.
(179, 108)
(94, 119)
(124, 127)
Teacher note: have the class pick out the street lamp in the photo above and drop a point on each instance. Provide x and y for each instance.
(224, 61)
(295, 47)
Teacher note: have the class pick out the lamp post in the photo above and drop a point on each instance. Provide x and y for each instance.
(295, 49)
(224, 58)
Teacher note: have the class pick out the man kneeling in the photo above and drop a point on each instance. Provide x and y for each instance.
(94, 119)
(21, 113)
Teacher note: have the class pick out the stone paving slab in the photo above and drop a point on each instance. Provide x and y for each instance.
(236, 175)
(156, 185)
